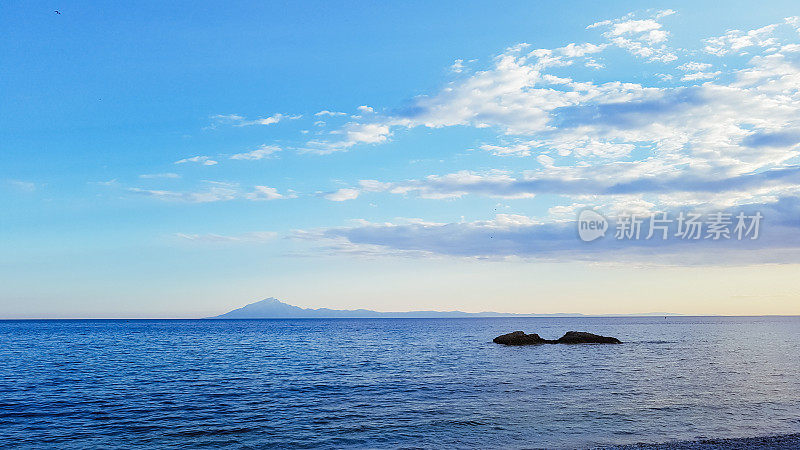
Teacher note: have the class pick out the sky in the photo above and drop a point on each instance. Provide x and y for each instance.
(177, 159)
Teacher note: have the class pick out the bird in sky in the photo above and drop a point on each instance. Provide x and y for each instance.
(58, 12)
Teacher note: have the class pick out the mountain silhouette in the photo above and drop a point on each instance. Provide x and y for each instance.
(272, 308)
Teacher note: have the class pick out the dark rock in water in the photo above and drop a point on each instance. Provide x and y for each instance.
(519, 338)
(582, 337)
(572, 337)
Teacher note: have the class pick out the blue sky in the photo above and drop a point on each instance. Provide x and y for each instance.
(180, 159)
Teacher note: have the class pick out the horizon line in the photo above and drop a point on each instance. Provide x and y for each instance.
(509, 316)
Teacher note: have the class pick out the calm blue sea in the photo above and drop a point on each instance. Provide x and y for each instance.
(394, 382)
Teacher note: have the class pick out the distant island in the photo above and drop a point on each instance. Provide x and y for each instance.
(272, 308)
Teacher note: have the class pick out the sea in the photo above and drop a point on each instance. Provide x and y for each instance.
(394, 383)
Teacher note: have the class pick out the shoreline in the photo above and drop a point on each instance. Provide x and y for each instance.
(779, 441)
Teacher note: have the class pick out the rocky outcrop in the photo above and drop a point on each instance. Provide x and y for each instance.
(582, 337)
(519, 338)
(571, 337)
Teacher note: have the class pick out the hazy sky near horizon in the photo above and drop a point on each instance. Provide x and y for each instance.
(182, 159)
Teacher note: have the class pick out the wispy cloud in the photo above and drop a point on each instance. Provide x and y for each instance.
(342, 195)
(167, 175)
(215, 191)
(262, 152)
(267, 193)
(203, 160)
(254, 237)
(609, 180)
(22, 186)
(325, 112)
(352, 134)
(237, 120)
(107, 183)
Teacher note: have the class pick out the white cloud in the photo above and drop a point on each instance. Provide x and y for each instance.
(215, 191)
(494, 183)
(228, 117)
(325, 112)
(237, 120)
(734, 41)
(352, 134)
(225, 119)
(273, 119)
(374, 186)
(794, 22)
(574, 50)
(700, 76)
(664, 13)
(618, 183)
(262, 152)
(545, 160)
(267, 193)
(204, 160)
(519, 149)
(342, 195)
(570, 212)
(644, 38)
(697, 71)
(636, 27)
(694, 66)
(370, 133)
